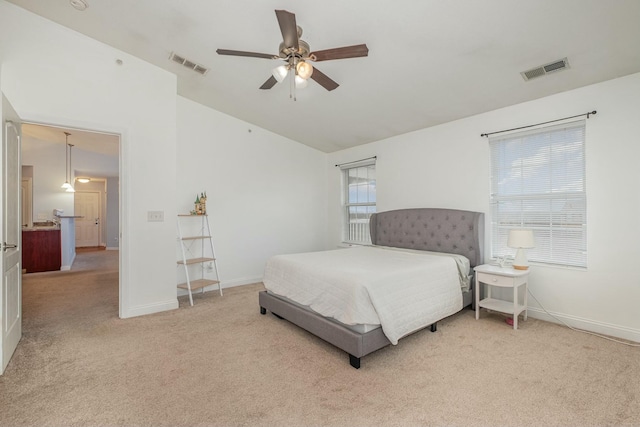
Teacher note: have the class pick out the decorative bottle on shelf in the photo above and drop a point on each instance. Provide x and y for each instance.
(203, 202)
(198, 206)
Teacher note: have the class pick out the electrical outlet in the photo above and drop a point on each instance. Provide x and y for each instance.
(155, 216)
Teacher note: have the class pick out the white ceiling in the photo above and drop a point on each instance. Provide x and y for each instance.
(101, 143)
(430, 61)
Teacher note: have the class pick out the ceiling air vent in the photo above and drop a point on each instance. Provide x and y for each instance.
(558, 65)
(189, 64)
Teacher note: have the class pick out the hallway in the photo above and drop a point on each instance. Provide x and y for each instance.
(63, 300)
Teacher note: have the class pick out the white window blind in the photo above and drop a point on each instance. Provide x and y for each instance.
(538, 183)
(359, 182)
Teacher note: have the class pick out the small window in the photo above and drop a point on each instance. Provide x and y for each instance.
(359, 182)
(538, 183)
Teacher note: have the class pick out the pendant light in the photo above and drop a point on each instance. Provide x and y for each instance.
(70, 189)
(66, 184)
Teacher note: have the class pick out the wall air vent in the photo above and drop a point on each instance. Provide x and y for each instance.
(189, 64)
(561, 64)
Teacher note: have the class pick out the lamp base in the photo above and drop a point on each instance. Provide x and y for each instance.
(520, 261)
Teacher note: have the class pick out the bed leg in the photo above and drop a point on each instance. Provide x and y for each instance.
(434, 327)
(354, 361)
(263, 310)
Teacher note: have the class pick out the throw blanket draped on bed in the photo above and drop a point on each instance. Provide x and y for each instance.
(402, 291)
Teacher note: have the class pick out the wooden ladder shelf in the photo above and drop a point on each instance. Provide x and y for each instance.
(198, 254)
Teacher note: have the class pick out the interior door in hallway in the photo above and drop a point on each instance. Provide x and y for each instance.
(87, 206)
(10, 235)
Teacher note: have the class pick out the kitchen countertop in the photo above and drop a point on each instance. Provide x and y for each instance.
(42, 228)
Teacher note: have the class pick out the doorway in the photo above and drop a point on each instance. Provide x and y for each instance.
(90, 162)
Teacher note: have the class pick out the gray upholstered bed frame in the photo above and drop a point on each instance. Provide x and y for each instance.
(430, 229)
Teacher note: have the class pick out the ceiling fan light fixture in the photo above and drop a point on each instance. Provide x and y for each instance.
(280, 73)
(296, 53)
(304, 70)
(301, 83)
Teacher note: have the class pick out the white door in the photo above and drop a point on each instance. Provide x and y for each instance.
(87, 206)
(10, 236)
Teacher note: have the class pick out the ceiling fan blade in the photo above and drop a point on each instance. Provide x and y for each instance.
(242, 53)
(288, 27)
(354, 51)
(271, 81)
(322, 79)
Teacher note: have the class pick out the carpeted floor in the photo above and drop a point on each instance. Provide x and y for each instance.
(221, 363)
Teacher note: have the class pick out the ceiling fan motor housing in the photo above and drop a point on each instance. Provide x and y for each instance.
(302, 51)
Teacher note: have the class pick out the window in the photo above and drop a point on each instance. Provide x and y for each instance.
(538, 183)
(359, 182)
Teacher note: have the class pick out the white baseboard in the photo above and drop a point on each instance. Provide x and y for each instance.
(112, 248)
(151, 308)
(587, 324)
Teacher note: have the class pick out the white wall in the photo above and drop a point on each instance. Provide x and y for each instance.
(53, 75)
(266, 194)
(448, 166)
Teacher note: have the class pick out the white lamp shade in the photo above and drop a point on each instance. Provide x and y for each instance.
(521, 239)
(301, 83)
(280, 73)
(65, 185)
(304, 69)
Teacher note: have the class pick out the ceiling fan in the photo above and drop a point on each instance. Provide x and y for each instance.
(297, 54)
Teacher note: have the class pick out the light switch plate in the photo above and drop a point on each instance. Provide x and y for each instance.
(155, 216)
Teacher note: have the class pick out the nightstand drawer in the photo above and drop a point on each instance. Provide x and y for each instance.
(495, 280)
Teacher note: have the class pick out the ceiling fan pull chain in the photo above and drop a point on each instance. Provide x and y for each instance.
(293, 81)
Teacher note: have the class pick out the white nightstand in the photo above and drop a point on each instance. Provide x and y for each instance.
(504, 277)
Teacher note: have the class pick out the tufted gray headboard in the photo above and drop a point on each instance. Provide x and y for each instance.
(431, 229)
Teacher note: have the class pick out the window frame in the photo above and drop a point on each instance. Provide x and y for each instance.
(362, 231)
(560, 231)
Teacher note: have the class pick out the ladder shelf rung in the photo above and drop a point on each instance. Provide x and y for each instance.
(198, 284)
(196, 238)
(196, 261)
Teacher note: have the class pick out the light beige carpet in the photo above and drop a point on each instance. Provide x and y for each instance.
(221, 363)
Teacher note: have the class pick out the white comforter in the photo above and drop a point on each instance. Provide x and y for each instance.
(402, 291)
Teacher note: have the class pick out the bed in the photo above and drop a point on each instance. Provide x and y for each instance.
(358, 299)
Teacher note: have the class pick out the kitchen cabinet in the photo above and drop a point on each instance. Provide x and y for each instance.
(41, 250)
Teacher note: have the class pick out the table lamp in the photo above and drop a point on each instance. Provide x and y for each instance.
(520, 239)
